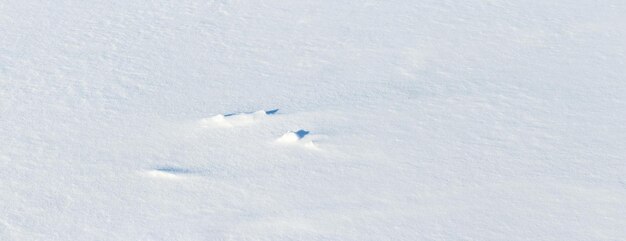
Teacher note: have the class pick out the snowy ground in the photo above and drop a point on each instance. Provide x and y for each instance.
(312, 120)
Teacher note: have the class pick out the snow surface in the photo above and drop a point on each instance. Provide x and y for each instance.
(430, 120)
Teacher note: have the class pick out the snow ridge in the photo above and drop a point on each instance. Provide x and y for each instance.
(236, 119)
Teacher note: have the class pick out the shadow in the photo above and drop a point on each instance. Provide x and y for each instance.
(271, 112)
(173, 170)
(301, 133)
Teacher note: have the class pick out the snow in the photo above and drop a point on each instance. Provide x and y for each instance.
(424, 120)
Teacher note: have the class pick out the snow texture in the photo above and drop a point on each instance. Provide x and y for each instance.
(399, 120)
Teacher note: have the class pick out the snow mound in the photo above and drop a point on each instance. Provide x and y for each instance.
(236, 119)
(168, 173)
(298, 138)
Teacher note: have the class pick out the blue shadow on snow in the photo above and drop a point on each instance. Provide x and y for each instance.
(173, 170)
(302, 133)
(269, 112)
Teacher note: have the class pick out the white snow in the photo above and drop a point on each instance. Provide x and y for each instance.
(431, 120)
(289, 137)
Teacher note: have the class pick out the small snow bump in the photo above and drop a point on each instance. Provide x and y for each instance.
(289, 137)
(168, 172)
(299, 138)
(236, 119)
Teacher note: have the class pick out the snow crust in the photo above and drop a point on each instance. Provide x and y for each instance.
(424, 120)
